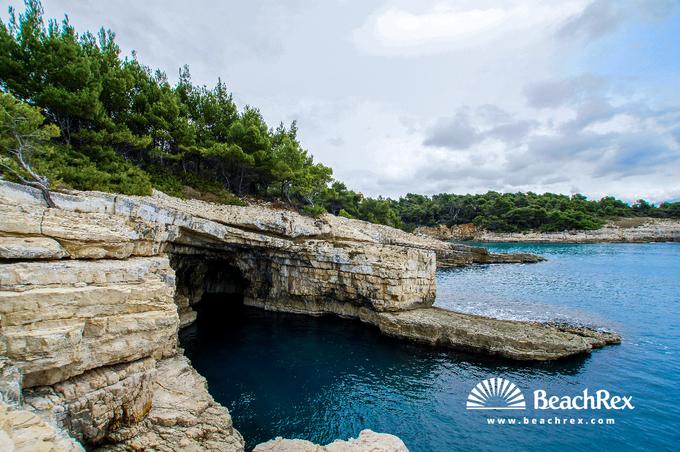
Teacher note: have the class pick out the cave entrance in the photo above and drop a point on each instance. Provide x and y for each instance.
(213, 282)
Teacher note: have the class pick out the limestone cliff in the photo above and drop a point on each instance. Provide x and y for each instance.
(92, 295)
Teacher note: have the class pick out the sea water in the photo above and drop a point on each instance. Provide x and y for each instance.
(325, 378)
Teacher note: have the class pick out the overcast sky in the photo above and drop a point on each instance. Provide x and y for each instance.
(438, 96)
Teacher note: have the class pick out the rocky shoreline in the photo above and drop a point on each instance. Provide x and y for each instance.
(93, 293)
(631, 230)
(510, 339)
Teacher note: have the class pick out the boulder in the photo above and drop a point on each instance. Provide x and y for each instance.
(367, 441)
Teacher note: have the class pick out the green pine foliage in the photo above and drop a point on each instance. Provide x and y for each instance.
(516, 212)
(122, 127)
(91, 119)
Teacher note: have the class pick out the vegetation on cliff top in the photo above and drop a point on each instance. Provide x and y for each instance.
(94, 120)
(514, 212)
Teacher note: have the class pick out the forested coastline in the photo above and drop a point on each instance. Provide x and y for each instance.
(77, 114)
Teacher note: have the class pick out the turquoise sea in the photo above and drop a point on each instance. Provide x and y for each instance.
(326, 378)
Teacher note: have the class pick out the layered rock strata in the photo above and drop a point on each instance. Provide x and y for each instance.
(92, 295)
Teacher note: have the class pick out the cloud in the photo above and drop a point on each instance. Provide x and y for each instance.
(656, 9)
(612, 141)
(454, 133)
(589, 111)
(464, 130)
(512, 132)
(336, 141)
(557, 147)
(209, 36)
(618, 151)
(493, 113)
(602, 17)
(599, 142)
(455, 25)
(397, 28)
(598, 18)
(560, 92)
(636, 154)
(676, 134)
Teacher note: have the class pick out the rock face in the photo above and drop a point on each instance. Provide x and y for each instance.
(94, 404)
(466, 231)
(92, 295)
(24, 430)
(367, 440)
(182, 416)
(89, 314)
(628, 230)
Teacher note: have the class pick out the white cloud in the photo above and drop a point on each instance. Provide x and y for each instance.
(448, 26)
(619, 123)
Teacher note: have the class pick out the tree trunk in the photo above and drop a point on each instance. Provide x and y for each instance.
(38, 181)
(240, 181)
(48, 197)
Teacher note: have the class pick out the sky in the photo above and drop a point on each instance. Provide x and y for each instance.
(568, 96)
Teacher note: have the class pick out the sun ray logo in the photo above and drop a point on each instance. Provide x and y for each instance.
(496, 394)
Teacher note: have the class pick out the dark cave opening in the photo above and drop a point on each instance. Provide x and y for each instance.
(202, 280)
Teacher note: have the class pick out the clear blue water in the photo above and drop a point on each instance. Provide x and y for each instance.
(326, 378)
